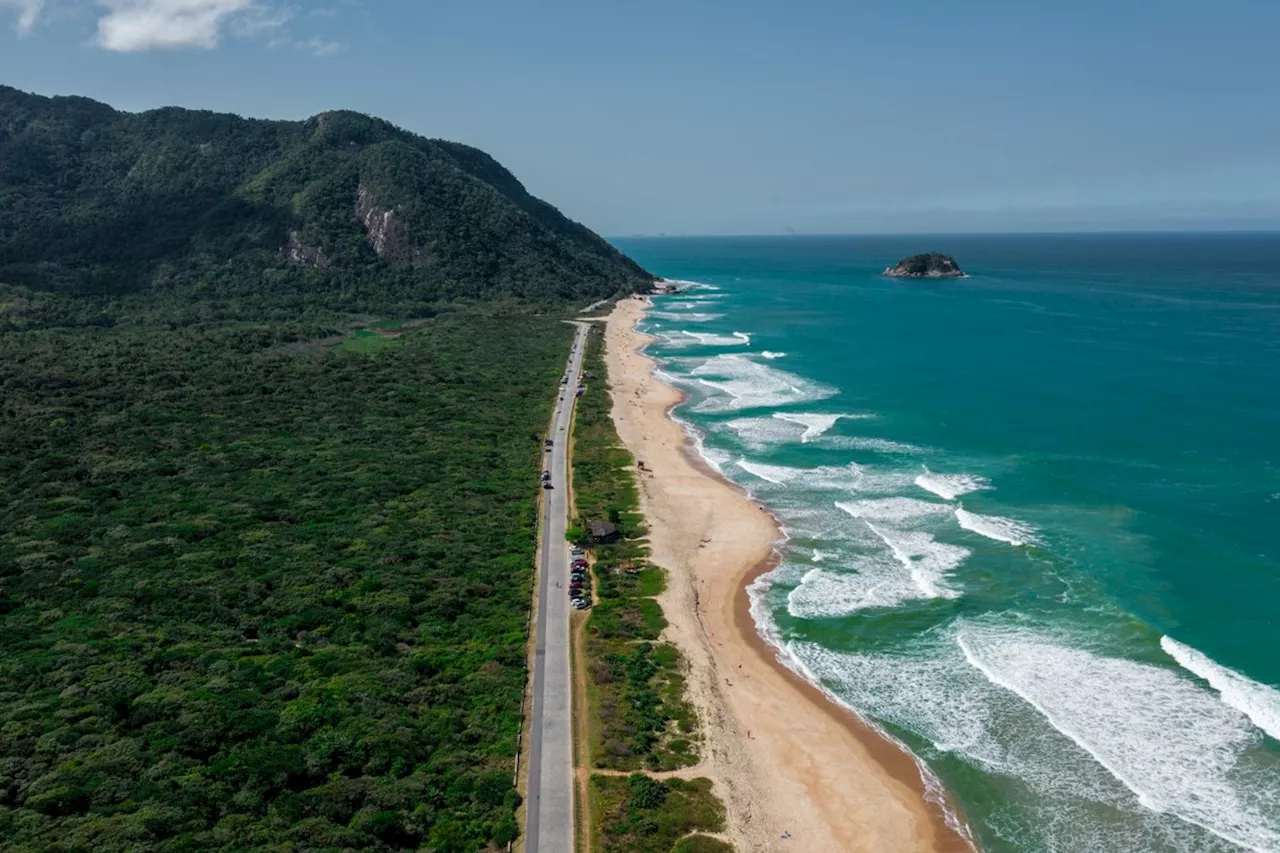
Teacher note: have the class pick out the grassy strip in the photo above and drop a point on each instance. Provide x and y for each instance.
(639, 717)
(637, 814)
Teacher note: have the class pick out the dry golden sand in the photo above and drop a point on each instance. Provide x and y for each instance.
(782, 756)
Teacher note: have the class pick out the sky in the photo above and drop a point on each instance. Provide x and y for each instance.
(743, 116)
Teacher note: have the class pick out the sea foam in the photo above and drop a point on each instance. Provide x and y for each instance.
(951, 486)
(928, 687)
(929, 561)
(873, 583)
(845, 478)
(1258, 702)
(760, 433)
(815, 425)
(878, 445)
(686, 316)
(1173, 744)
(996, 527)
(895, 510)
(685, 338)
(742, 383)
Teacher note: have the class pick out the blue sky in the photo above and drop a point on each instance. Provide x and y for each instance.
(715, 117)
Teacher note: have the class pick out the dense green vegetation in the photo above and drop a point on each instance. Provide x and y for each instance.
(271, 402)
(258, 594)
(230, 217)
(639, 716)
(637, 814)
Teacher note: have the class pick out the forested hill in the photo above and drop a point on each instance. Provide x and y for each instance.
(272, 404)
(342, 211)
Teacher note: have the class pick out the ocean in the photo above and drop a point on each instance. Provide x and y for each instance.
(1032, 516)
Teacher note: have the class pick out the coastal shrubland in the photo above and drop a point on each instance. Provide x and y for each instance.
(639, 814)
(639, 717)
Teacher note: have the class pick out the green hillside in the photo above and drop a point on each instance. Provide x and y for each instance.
(271, 404)
(342, 210)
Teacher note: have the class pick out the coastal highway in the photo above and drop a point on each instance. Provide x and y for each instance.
(549, 801)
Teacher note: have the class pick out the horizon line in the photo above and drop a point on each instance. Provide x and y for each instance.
(1133, 232)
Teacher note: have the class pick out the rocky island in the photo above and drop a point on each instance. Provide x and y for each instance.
(929, 265)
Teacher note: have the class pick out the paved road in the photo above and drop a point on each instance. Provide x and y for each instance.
(549, 826)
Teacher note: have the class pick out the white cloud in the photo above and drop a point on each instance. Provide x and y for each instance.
(28, 11)
(320, 47)
(133, 26)
(315, 45)
(261, 20)
(137, 25)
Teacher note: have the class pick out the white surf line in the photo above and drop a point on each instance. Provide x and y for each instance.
(950, 486)
(1150, 800)
(996, 527)
(1258, 702)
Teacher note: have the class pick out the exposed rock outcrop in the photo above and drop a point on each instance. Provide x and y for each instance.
(929, 265)
(386, 232)
(308, 256)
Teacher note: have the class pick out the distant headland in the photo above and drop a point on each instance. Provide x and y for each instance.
(928, 265)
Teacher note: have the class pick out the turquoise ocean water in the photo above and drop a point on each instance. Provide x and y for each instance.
(1033, 515)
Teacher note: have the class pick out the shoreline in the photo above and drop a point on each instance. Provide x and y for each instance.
(807, 766)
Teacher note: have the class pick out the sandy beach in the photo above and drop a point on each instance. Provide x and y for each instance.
(796, 771)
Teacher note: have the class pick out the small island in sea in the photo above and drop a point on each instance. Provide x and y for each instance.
(928, 265)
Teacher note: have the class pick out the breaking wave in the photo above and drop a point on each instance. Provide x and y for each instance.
(872, 583)
(995, 527)
(685, 316)
(814, 425)
(1258, 702)
(742, 383)
(1173, 744)
(951, 486)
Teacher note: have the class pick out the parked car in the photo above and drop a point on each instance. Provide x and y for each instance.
(577, 552)
(546, 484)
(581, 604)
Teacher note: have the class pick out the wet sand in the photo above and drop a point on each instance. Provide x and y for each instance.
(795, 770)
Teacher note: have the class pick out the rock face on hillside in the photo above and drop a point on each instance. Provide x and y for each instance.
(929, 265)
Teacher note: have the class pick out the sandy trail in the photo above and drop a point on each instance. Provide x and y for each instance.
(784, 758)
